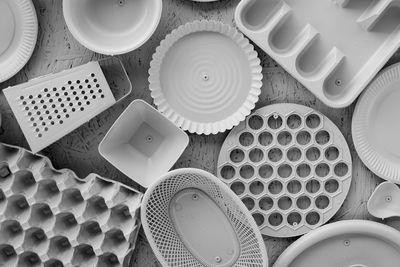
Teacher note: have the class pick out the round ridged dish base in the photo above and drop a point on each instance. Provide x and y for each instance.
(291, 167)
(205, 77)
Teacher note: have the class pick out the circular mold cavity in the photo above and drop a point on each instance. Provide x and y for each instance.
(246, 139)
(275, 187)
(265, 138)
(246, 171)
(293, 154)
(256, 155)
(322, 170)
(313, 186)
(265, 171)
(303, 202)
(294, 218)
(284, 171)
(255, 122)
(248, 202)
(303, 138)
(284, 138)
(322, 137)
(341, 169)
(331, 186)
(303, 170)
(332, 153)
(313, 218)
(237, 155)
(294, 121)
(266, 203)
(275, 122)
(275, 219)
(238, 188)
(227, 172)
(294, 187)
(259, 218)
(256, 187)
(284, 203)
(313, 154)
(313, 121)
(275, 155)
(322, 202)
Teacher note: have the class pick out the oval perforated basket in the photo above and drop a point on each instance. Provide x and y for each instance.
(179, 209)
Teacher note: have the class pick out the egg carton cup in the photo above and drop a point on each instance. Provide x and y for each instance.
(51, 217)
(291, 167)
(333, 47)
(49, 107)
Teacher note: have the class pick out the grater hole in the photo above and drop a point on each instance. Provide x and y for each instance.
(322, 138)
(294, 154)
(313, 186)
(266, 203)
(313, 154)
(85, 97)
(38, 112)
(79, 103)
(275, 219)
(24, 103)
(42, 101)
(322, 170)
(58, 116)
(78, 81)
(249, 203)
(284, 171)
(313, 121)
(69, 82)
(256, 155)
(294, 187)
(275, 122)
(303, 202)
(238, 188)
(341, 169)
(227, 172)
(46, 90)
(303, 170)
(72, 87)
(63, 88)
(34, 124)
(41, 118)
(61, 122)
(294, 218)
(255, 122)
(275, 187)
(89, 86)
(57, 94)
(322, 202)
(26, 108)
(293, 121)
(98, 85)
(245, 139)
(52, 123)
(30, 96)
(95, 80)
(284, 138)
(246, 171)
(284, 203)
(259, 218)
(32, 119)
(236, 156)
(51, 100)
(102, 96)
(39, 96)
(265, 171)
(256, 188)
(303, 138)
(40, 135)
(47, 112)
(59, 100)
(331, 153)
(92, 75)
(94, 97)
(100, 91)
(54, 89)
(73, 109)
(312, 218)
(29, 113)
(66, 93)
(33, 102)
(331, 186)
(37, 129)
(67, 116)
(80, 87)
(86, 81)
(275, 155)
(21, 97)
(88, 103)
(265, 138)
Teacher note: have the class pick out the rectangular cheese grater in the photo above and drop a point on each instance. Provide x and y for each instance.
(49, 107)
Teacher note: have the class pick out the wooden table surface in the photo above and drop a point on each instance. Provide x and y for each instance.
(56, 50)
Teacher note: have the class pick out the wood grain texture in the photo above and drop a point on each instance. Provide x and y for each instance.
(56, 50)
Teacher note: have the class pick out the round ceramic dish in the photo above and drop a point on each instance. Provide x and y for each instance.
(192, 219)
(352, 243)
(18, 31)
(205, 77)
(291, 167)
(112, 26)
(375, 126)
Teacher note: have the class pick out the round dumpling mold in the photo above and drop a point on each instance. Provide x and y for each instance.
(290, 165)
(205, 77)
(191, 218)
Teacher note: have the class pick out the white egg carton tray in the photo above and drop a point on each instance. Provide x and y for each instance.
(291, 167)
(49, 218)
(333, 47)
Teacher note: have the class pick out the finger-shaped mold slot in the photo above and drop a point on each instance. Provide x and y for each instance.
(84, 254)
(108, 260)
(72, 200)
(48, 192)
(41, 216)
(114, 241)
(378, 11)
(60, 248)
(24, 183)
(29, 259)
(90, 233)
(66, 225)
(8, 256)
(17, 208)
(11, 232)
(35, 241)
(96, 208)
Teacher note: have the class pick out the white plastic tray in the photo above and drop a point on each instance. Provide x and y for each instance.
(333, 47)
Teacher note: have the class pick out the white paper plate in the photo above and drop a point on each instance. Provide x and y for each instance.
(205, 77)
(18, 31)
(376, 127)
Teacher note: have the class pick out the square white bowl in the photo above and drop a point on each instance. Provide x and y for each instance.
(143, 144)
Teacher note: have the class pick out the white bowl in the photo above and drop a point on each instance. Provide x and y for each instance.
(112, 26)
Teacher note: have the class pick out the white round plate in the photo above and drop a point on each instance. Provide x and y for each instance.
(18, 31)
(205, 77)
(112, 27)
(375, 126)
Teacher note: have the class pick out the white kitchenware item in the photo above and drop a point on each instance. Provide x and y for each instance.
(333, 47)
(352, 243)
(112, 27)
(375, 126)
(190, 218)
(291, 167)
(385, 201)
(205, 77)
(18, 31)
(49, 107)
(49, 218)
(143, 144)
